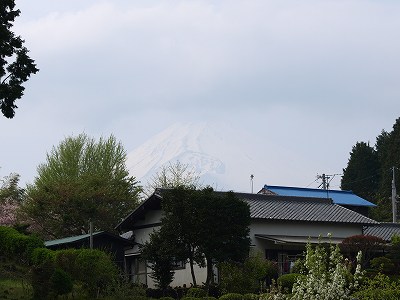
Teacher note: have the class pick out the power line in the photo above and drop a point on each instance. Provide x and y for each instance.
(313, 182)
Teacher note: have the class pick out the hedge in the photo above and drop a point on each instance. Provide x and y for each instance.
(17, 246)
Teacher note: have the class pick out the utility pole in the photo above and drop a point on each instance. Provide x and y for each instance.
(324, 181)
(394, 195)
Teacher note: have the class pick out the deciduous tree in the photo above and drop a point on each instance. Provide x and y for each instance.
(15, 65)
(171, 175)
(81, 181)
(210, 226)
(11, 197)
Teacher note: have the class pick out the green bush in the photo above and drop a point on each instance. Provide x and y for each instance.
(251, 296)
(231, 296)
(208, 298)
(17, 246)
(379, 287)
(66, 260)
(40, 255)
(189, 298)
(299, 266)
(249, 277)
(96, 271)
(383, 264)
(287, 281)
(166, 298)
(196, 293)
(41, 274)
(60, 282)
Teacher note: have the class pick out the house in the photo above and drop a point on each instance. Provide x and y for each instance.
(343, 198)
(280, 228)
(383, 230)
(102, 240)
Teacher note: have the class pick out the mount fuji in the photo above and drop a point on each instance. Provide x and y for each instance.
(222, 155)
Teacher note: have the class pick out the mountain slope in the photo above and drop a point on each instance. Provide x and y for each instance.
(224, 156)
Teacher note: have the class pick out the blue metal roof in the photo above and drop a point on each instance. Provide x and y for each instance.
(338, 196)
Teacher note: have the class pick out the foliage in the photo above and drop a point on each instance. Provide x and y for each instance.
(231, 296)
(42, 270)
(299, 266)
(250, 296)
(248, 277)
(11, 197)
(219, 241)
(82, 180)
(15, 289)
(286, 281)
(189, 298)
(15, 65)
(326, 276)
(368, 172)
(127, 291)
(367, 244)
(159, 253)
(394, 251)
(379, 287)
(180, 226)
(173, 175)
(196, 293)
(167, 298)
(383, 265)
(95, 270)
(60, 282)
(196, 234)
(209, 298)
(17, 246)
(361, 173)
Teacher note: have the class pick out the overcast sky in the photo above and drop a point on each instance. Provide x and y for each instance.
(314, 77)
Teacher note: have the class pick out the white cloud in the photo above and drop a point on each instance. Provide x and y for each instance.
(303, 69)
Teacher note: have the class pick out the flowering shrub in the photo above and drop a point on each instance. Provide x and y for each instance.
(327, 275)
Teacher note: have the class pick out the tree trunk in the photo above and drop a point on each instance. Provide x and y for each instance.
(192, 271)
(210, 273)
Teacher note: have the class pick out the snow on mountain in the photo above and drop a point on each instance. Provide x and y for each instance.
(224, 156)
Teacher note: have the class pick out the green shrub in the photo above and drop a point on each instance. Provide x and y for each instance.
(287, 281)
(41, 255)
(17, 246)
(196, 293)
(231, 296)
(66, 260)
(299, 266)
(41, 274)
(379, 287)
(189, 298)
(383, 264)
(251, 296)
(167, 298)
(60, 282)
(95, 270)
(209, 298)
(249, 277)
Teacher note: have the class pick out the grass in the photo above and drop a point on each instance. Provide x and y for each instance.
(12, 289)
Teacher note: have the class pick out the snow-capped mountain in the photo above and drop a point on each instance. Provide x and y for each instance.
(224, 157)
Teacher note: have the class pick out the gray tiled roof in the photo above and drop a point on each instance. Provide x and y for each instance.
(300, 209)
(383, 230)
